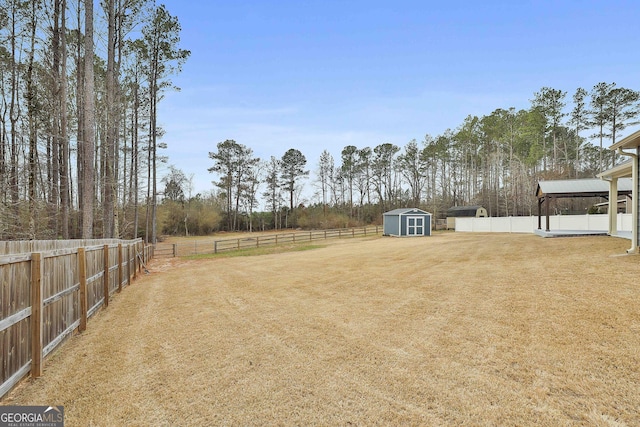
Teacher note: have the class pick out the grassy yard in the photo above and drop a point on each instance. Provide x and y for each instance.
(454, 329)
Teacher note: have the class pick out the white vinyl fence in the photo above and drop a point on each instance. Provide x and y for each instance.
(527, 224)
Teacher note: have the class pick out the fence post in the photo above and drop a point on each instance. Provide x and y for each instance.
(129, 264)
(120, 269)
(82, 273)
(215, 247)
(175, 250)
(258, 242)
(106, 276)
(36, 314)
(140, 258)
(325, 234)
(135, 259)
(353, 232)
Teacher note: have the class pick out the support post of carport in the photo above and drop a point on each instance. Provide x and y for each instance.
(540, 201)
(547, 200)
(613, 207)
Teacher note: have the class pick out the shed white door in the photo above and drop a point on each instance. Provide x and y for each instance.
(415, 226)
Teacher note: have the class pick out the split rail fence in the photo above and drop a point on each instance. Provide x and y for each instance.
(50, 288)
(217, 246)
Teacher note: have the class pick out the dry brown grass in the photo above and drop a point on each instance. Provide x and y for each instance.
(455, 329)
(223, 235)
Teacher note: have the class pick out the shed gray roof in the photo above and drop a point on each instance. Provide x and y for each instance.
(580, 188)
(406, 210)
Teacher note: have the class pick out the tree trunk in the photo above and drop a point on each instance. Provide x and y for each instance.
(80, 113)
(89, 127)
(109, 161)
(14, 115)
(31, 118)
(64, 158)
(135, 161)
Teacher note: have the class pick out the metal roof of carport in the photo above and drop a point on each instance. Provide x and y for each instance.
(564, 188)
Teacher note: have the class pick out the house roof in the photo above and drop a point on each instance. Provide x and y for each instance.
(403, 211)
(580, 188)
(618, 171)
(623, 169)
(631, 141)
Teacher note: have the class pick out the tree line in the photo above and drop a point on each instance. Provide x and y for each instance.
(79, 141)
(494, 161)
(79, 92)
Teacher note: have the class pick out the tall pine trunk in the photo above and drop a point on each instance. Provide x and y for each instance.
(89, 127)
(14, 115)
(64, 155)
(31, 118)
(108, 208)
(80, 128)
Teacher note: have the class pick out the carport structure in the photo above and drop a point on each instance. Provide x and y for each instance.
(548, 191)
(626, 170)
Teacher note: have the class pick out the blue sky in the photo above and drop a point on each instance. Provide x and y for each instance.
(316, 75)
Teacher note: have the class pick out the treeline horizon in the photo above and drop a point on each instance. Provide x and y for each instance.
(80, 144)
(494, 161)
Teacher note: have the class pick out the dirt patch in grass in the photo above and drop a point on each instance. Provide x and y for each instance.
(454, 329)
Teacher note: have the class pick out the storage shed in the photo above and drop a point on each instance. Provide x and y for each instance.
(406, 222)
(464, 211)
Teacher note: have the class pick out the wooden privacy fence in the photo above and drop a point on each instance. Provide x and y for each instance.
(46, 294)
(249, 242)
